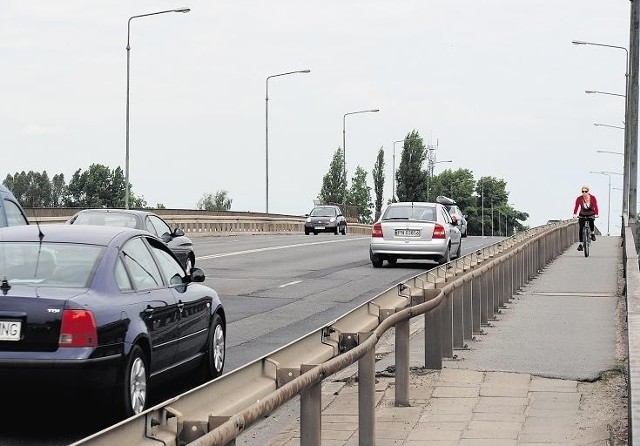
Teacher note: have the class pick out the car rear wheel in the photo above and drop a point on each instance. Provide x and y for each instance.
(459, 250)
(306, 231)
(392, 260)
(133, 391)
(215, 349)
(376, 261)
(446, 258)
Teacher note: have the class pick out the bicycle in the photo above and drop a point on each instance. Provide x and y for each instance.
(586, 234)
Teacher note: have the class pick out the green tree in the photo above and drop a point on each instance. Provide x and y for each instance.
(58, 190)
(360, 195)
(411, 178)
(458, 185)
(100, 187)
(334, 183)
(378, 182)
(218, 202)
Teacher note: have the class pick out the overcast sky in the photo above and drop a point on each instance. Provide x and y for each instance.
(496, 84)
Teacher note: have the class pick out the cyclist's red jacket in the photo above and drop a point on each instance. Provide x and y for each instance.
(586, 212)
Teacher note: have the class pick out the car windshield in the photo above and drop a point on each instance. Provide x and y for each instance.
(421, 213)
(323, 212)
(50, 264)
(105, 219)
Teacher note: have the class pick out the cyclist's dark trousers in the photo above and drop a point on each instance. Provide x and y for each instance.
(581, 222)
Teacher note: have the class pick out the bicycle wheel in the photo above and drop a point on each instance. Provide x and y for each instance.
(586, 239)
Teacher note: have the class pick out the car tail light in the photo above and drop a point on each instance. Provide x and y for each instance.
(78, 329)
(438, 231)
(376, 231)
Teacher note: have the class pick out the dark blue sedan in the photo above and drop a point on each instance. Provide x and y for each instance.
(104, 308)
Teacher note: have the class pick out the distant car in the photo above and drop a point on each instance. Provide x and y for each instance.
(104, 309)
(414, 230)
(181, 245)
(11, 213)
(326, 218)
(454, 211)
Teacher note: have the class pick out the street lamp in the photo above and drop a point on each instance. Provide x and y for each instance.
(344, 152)
(597, 124)
(604, 92)
(609, 151)
(608, 174)
(430, 171)
(266, 131)
(627, 207)
(126, 164)
(393, 173)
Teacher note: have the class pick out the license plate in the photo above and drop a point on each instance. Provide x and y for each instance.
(10, 330)
(408, 232)
(319, 227)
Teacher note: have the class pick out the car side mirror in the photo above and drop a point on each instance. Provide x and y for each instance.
(454, 219)
(197, 275)
(178, 232)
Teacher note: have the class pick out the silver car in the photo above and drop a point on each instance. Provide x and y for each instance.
(414, 230)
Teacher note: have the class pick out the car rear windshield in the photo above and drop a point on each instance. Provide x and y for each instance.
(421, 213)
(48, 264)
(105, 219)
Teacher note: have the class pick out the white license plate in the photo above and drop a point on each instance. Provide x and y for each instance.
(10, 330)
(408, 232)
(319, 227)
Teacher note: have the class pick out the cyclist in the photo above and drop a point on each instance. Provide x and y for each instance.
(586, 207)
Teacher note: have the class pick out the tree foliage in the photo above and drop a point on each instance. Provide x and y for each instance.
(334, 183)
(98, 186)
(360, 195)
(411, 178)
(218, 202)
(378, 182)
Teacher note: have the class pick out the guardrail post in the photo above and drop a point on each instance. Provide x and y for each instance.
(467, 312)
(484, 304)
(310, 412)
(366, 396)
(432, 338)
(458, 318)
(476, 303)
(402, 363)
(446, 334)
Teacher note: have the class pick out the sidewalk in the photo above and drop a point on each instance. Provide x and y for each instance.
(545, 372)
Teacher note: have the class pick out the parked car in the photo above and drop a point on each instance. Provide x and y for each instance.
(180, 244)
(11, 213)
(326, 218)
(414, 230)
(455, 212)
(103, 308)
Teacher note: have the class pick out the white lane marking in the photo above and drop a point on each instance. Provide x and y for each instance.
(274, 248)
(290, 283)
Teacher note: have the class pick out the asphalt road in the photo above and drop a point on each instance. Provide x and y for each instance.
(275, 289)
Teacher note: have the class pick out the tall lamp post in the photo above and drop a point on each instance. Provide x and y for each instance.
(266, 130)
(597, 124)
(344, 152)
(627, 207)
(608, 174)
(393, 172)
(126, 164)
(183, 10)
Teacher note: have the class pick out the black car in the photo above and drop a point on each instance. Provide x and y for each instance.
(326, 218)
(181, 245)
(103, 309)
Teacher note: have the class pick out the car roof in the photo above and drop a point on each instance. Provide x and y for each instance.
(4, 191)
(116, 211)
(95, 235)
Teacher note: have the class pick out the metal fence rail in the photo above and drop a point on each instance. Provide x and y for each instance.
(455, 299)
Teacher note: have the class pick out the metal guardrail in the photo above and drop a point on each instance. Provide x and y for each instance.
(456, 300)
(223, 225)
